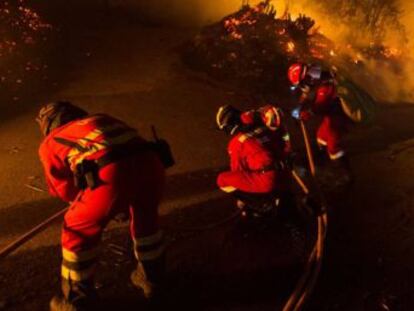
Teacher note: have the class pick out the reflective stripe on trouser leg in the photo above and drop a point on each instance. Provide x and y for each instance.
(79, 266)
(150, 253)
(149, 247)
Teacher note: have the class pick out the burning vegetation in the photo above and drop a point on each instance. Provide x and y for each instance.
(254, 47)
(22, 31)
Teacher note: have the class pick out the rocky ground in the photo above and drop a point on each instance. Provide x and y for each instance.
(132, 70)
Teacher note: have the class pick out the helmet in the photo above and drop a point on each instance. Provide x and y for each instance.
(56, 114)
(314, 72)
(271, 116)
(228, 119)
(296, 73)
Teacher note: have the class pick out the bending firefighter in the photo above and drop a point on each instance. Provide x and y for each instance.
(319, 97)
(102, 167)
(258, 177)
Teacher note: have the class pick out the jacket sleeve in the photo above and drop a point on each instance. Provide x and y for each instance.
(59, 177)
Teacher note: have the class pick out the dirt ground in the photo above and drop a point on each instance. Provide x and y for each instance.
(113, 64)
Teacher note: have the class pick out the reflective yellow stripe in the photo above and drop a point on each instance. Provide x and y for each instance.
(76, 156)
(150, 255)
(286, 137)
(218, 115)
(243, 138)
(246, 136)
(337, 155)
(321, 142)
(80, 256)
(149, 240)
(78, 275)
(228, 189)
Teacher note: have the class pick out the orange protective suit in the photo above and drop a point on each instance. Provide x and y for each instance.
(133, 183)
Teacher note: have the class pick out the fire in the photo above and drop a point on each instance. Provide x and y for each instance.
(22, 29)
(392, 52)
(252, 42)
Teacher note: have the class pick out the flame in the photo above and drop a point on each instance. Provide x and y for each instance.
(22, 29)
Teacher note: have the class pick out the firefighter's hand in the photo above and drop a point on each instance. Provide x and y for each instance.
(301, 114)
(305, 115)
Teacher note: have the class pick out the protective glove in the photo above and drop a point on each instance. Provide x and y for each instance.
(301, 114)
(305, 115)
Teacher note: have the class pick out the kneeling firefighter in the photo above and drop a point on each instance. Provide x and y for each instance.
(258, 174)
(102, 167)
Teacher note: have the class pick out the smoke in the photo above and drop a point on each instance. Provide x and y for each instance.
(182, 12)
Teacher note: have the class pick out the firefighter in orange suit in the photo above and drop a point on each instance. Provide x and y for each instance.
(319, 97)
(256, 168)
(102, 167)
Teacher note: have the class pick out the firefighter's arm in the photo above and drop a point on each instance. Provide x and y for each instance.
(59, 178)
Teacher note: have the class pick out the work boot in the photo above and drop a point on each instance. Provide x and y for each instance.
(62, 304)
(140, 280)
(77, 296)
(149, 276)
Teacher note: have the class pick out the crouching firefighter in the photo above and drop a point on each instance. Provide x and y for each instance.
(102, 167)
(258, 177)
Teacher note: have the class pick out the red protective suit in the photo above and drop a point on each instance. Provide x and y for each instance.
(131, 184)
(254, 158)
(323, 101)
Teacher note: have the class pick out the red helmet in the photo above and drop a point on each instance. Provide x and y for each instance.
(296, 73)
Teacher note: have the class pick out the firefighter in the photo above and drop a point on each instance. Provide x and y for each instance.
(319, 97)
(258, 175)
(102, 167)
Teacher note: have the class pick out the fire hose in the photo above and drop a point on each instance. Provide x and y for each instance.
(30, 234)
(307, 282)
